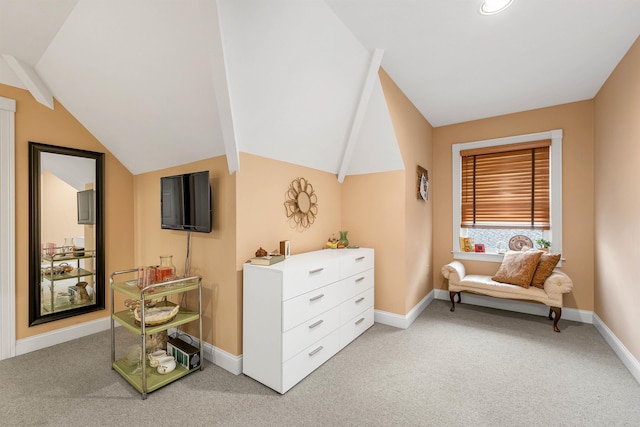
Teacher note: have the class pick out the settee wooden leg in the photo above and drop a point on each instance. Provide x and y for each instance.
(558, 312)
(451, 297)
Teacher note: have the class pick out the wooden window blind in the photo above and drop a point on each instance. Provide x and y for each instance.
(506, 186)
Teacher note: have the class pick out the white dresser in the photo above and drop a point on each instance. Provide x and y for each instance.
(300, 312)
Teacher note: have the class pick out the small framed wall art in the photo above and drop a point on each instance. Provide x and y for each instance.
(422, 183)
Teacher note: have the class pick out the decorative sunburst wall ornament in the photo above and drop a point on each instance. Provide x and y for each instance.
(301, 203)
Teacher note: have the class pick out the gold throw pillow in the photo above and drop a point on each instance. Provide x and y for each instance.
(546, 264)
(517, 267)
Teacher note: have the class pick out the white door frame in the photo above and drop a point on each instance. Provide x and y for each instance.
(7, 229)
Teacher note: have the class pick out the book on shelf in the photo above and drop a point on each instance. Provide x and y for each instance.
(267, 260)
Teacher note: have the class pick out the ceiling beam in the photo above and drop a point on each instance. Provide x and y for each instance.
(219, 76)
(30, 80)
(361, 110)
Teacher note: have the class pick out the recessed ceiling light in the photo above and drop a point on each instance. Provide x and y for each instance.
(491, 7)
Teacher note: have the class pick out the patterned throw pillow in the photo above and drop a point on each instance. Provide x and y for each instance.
(517, 267)
(545, 267)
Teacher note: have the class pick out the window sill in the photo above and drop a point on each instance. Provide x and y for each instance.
(478, 256)
(486, 257)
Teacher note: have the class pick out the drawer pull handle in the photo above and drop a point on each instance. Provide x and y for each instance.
(360, 258)
(359, 279)
(360, 320)
(316, 351)
(317, 270)
(359, 300)
(318, 323)
(317, 297)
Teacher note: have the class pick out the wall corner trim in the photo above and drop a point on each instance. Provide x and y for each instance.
(7, 229)
(400, 321)
(361, 110)
(30, 78)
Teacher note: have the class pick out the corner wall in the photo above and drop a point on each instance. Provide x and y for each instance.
(415, 140)
(212, 254)
(576, 120)
(617, 195)
(382, 210)
(378, 210)
(262, 185)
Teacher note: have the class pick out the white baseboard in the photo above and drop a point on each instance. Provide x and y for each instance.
(213, 354)
(226, 361)
(47, 339)
(400, 321)
(616, 345)
(233, 363)
(517, 306)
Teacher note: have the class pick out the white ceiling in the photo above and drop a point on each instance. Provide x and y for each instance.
(456, 64)
(166, 82)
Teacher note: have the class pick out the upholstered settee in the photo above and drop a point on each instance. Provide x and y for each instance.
(554, 286)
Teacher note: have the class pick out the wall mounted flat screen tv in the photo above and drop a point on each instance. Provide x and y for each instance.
(185, 202)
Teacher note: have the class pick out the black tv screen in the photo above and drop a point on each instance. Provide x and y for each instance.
(185, 202)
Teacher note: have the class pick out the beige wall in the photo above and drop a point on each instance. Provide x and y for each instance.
(261, 220)
(212, 254)
(248, 212)
(576, 120)
(59, 201)
(378, 210)
(414, 134)
(373, 211)
(617, 195)
(35, 122)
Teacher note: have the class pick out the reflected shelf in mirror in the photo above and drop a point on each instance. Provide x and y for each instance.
(66, 199)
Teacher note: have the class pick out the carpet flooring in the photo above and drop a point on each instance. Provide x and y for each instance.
(475, 367)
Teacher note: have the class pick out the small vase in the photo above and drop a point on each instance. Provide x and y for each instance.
(343, 242)
(166, 271)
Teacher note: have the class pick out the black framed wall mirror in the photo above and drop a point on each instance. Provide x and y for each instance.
(66, 232)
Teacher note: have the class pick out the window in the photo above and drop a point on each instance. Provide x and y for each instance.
(507, 186)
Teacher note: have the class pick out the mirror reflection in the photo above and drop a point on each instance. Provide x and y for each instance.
(66, 232)
(304, 202)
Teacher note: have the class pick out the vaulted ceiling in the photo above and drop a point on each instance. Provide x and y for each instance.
(166, 82)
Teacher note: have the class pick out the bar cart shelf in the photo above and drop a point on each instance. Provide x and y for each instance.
(144, 378)
(53, 270)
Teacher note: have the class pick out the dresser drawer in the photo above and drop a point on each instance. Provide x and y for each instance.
(356, 326)
(309, 359)
(356, 304)
(308, 276)
(302, 336)
(356, 261)
(356, 284)
(302, 308)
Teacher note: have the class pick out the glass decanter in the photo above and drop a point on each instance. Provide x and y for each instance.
(166, 270)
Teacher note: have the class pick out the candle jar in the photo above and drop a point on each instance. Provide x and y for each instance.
(166, 270)
(68, 245)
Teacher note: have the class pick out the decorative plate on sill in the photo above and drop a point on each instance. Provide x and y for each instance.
(517, 242)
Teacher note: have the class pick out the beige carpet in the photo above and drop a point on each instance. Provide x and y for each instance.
(474, 367)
